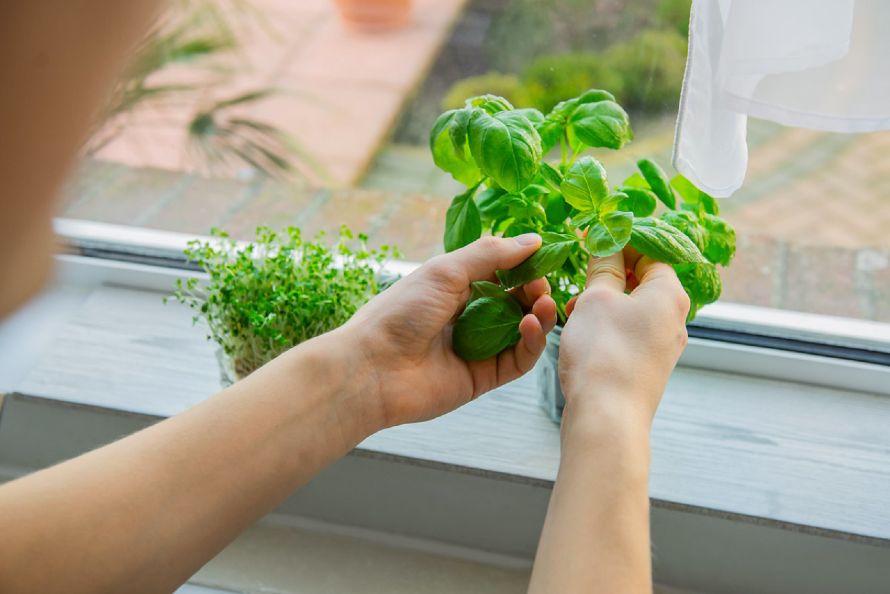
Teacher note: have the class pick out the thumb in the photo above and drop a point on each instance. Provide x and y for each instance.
(607, 272)
(480, 259)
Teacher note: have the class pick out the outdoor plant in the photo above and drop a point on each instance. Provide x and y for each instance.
(264, 297)
(499, 152)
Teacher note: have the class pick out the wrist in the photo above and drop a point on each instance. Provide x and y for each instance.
(610, 417)
(336, 362)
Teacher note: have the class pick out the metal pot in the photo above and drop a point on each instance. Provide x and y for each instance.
(551, 398)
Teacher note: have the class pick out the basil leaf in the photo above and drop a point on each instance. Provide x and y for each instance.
(463, 225)
(702, 282)
(601, 124)
(486, 327)
(536, 190)
(610, 234)
(640, 201)
(550, 131)
(456, 161)
(481, 289)
(506, 147)
(691, 194)
(556, 209)
(457, 131)
(491, 207)
(550, 256)
(551, 175)
(585, 218)
(612, 201)
(721, 242)
(658, 181)
(663, 242)
(688, 223)
(636, 181)
(490, 103)
(584, 185)
(531, 114)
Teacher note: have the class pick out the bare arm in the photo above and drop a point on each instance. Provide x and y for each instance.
(616, 355)
(144, 513)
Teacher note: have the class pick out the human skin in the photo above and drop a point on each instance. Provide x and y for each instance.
(596, 534)
(143, 513)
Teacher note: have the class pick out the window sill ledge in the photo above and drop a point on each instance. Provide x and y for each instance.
(734, 456)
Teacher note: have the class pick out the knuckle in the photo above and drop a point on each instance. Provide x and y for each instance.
(441, 270)
(607, 269)
(598, 295)
(682, 301)
(489, 242)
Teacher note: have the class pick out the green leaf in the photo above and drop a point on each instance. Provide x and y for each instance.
(550, 131)
(490, 103)
(490, 205)
(688, 223)
(506, 147)
(583, 219)
(456, 162)
(702, 282)
(536, 190)
(463, 225)
(601, 124)
(457, 130)
(551, 175)
(692, 195)
(550, 256)
(585, 184)
(640, 201)
(556, 209)
(481, 289)
(636, 181)
(663, 242)
(487, 326)
(611, 234)
(612, 201)
(721, 240)
(531, 114)
(658, 181)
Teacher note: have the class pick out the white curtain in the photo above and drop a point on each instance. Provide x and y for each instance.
(821, 64)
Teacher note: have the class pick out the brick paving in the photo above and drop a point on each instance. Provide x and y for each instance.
(338, 90)
(768, 271)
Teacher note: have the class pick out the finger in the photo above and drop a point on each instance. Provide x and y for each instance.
(653, 274)
(545, 310)
(480, 259)
(518, 360)
(529, 293)
(607, 272)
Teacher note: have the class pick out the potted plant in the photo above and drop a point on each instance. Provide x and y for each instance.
(263, 298)
(375, 14)
(500, 154)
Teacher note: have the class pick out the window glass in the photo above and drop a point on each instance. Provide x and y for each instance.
(317, 113)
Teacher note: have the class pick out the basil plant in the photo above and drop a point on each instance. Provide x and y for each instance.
(500, 154)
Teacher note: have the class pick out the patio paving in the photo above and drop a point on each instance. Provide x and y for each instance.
(339, 90)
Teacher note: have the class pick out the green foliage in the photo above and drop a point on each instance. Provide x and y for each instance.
(262, 298)
(652, 65)
(570, 204)
(507, 86)
(553, 78)
(674, 14)
(488, 325)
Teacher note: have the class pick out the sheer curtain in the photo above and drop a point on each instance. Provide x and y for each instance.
(821, 64)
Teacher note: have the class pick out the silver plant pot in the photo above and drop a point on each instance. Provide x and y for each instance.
(227, 375)
(551, 397)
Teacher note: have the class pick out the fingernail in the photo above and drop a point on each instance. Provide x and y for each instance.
(528, 239)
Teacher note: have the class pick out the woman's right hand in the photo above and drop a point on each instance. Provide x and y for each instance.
(618, 349)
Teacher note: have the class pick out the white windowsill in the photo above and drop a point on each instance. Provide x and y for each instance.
(790, 461)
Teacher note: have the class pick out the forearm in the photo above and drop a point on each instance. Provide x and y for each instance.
(146, 512)
(596, 535)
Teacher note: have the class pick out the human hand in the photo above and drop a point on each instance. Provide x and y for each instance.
(618, 349)
(405, 332)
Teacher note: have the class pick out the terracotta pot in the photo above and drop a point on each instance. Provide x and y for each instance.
(375, 14)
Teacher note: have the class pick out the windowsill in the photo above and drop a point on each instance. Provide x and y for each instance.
(759, 452)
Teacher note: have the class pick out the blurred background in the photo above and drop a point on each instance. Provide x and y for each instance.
(316, 113)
